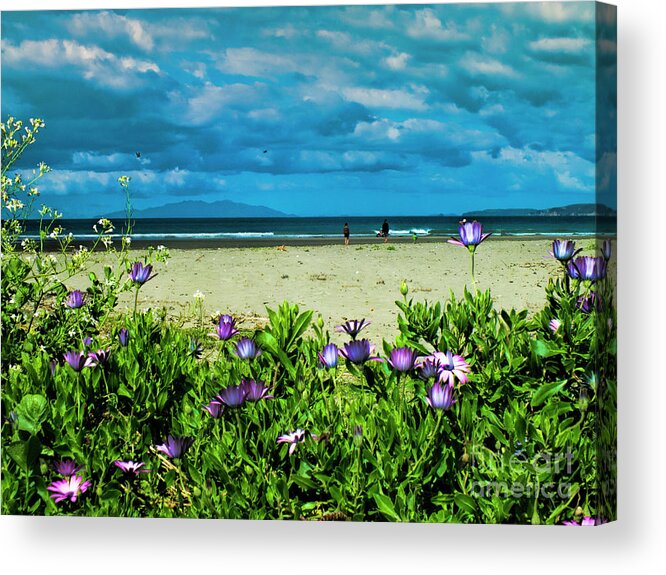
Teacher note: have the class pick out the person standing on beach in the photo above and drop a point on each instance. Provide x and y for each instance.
(345, 233)
(385, 230)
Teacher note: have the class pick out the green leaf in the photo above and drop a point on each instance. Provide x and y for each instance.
(122, 390)
(25, 453)
(465, 502)
(300, 325)
(385, 506)
(32, 413)
(268, 342)
(543, 349)
(546, 391)
(336, 494)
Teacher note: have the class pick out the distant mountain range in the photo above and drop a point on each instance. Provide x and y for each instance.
(199, 209)
(229, 209)
(571, 210)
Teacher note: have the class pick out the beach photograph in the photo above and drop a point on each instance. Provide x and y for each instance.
(327, 263)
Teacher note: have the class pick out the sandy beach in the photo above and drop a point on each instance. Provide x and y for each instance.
(340, 283)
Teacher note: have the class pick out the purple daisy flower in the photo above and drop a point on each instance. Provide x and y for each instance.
(564, 250)
(66, 467)
(131, 467)
(358, 431)
(587, 521)
(255, 390)
(69, 488)
(75, 299)
(471, 235)
(194, 348)
(402, 359)
(428, 367)
(589, 303)
(224, 331)
(554, 324)
(140, 274)
(76, 360)
(214, 408)
(328, 357)
(359, 351)
(294, 438)
(587, 268)
(247, 349)
(606, 250)
(123, 337)
(232, 396)
(440, 396)
(353, 327)
(100, 357)
(175, 447)
(451, 367)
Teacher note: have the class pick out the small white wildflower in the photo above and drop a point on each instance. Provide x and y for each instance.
(71, 333)
(14, 205)
(127, 240)
(107, 241)
(198, 295)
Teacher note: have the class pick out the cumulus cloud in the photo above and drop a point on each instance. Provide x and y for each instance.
(411, 99)
(113, 25)
(427, 25)
(90, 61)
(397, 61)
(142, 33)
(559, 44)
(478, 65)
(201, 105)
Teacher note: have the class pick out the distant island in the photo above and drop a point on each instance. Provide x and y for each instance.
(571, 210)
(200, 209)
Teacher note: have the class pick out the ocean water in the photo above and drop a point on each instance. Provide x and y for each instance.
(304, 228)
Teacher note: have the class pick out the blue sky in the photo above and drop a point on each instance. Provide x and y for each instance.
(360, 110)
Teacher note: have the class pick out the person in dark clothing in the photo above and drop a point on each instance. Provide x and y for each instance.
(385, 230)
(345, 233)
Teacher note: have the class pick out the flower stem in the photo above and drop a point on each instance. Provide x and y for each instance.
(136, 300)
(401, 391)
(323, 396)
(78, 397)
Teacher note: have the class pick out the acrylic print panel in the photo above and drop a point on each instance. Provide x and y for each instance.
(349, 263)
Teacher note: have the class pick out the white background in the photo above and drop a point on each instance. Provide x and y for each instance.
(635, 542)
